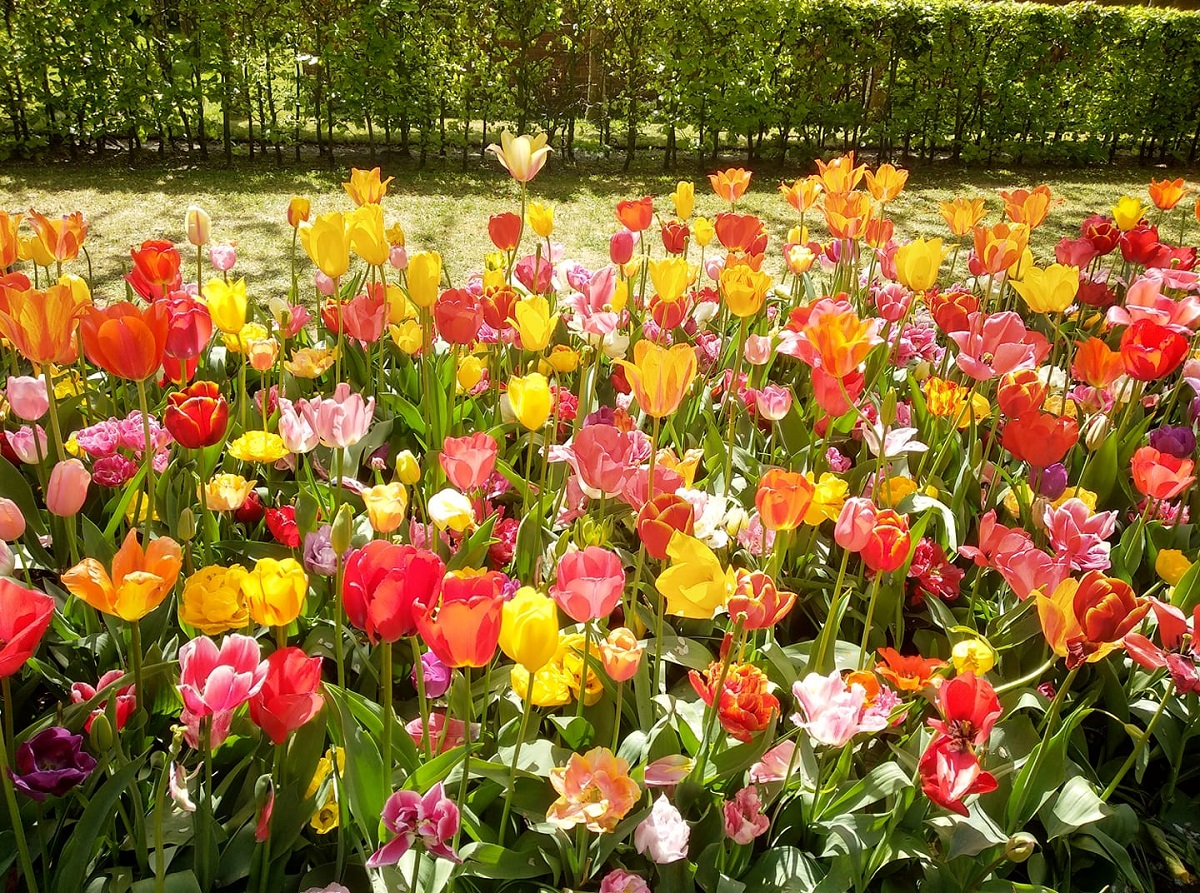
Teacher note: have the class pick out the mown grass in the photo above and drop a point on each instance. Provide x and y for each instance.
(444, 208)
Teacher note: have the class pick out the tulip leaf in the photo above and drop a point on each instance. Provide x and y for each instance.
(1186, 594)
(14, 486)
(884, 780)
(494, 861)
(364, 779)
(783, 869)
(77, 854)
(1075, 806)
(1100, 476)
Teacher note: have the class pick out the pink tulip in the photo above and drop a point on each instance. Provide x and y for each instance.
(298, 435)
(67, 488)
(855, 524)
(214, 682)
(620, 881)
(223, 257)
(324, 284)
(126, 698)
(431, 819)
(398, 257)
(1079, 536)
(469, 461)
(663, 835)
(12, 521)
(833, 712)
(999, 343)
(589, 583)
(23, 443)
(603, 459)
(620, 246)
(775, 764)
(341, 420)
(27, 397)
(744, 818)
(773, 402)
(758, 350)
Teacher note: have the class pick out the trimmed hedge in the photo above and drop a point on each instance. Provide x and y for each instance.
(974, 81)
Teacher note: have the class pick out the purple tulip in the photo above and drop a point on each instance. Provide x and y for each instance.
(1178, 442)
(437, 675)
(319, 557)
(51, 762)
(1052, 481)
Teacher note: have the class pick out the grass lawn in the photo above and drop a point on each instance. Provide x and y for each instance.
(443, 208)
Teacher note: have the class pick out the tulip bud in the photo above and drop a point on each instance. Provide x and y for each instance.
(1020, 847)
(887, 412)
(1096, 431)
(101, 734)
(591, 532)
(973, 656)
(8, 561)
(408, 470)
(450, 509)
(67, 488)
(27, 397)
(307, 512)
(185, 528)
(343, 530)
(12, 520)
(199, 226)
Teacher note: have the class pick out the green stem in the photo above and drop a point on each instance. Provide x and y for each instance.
(264, 877)
(830, 633)
(422, 698)
(135, 659)
(874, 597)
(148, 458)
(466, 768)
(1137, 750)
(512, 770)
(583, 676)
(10, 794)
(385, 682)
(731, 402)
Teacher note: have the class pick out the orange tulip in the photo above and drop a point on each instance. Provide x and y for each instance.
(9, 243)
(802, 194)
(888, 543)
(908, 672)
(783, 498)
(730, 184)
(841, 341)
(840, 176)
(1085, 620)
(1166, 194)
(1021, 392)
(1096, 363)
(140, 580)
(879, 232)
(757, 600)
(847, 214)
(999, 247)
(61, 238)
(886, 182)
(126, 341)
(1026, 206)
(660, 377)
(962, 215)
(41, 325)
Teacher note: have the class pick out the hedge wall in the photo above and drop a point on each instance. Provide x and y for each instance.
(975, 81)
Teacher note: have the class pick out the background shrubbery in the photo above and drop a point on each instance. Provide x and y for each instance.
(974, 81)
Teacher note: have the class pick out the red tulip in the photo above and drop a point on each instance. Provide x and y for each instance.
(462, 627)
(741, 232)
(660, 518)
(948, 774)
(887, 547)
(469, 461)
(124, 340)
(504, 230)
(191, 326)
(635, 214)
(674, 236)
(621, 245)
(382, 585)
(1040, 438)
(155, 269)
(197, 416)
(458, 315)
(1151, 351)
(290, 696)
(24, 616)
(1160, 475)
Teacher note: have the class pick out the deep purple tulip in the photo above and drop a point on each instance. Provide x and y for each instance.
(437, 675)
(51, 762)
(1174, 441)
(1052, 481)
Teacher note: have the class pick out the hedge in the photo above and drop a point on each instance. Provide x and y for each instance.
(971, 81)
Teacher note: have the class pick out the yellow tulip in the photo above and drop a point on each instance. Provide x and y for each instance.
(424, 277)
(530, 399)
(563, 359)
(534, 322)
(521, 156)
(659, 376)
(1171, 565)
(1051, 290)
(829, 493)
(327, 243)
(918, 262)
(80, 292)
(365, 187)
(367, 237)
(408, 469)
(1128, 212)
(470, 372)
(275, 591)
(395, 235)
(695, 584)
(298, 211)
(541, 219)
(386, 506)
(227, 492)
(450, 509)
(213, 601)
(529, 628)
(684, 199)
(400, 307)
(744, 289)
(972, 656)
(671, 277)
(703, 231)
(408, 336)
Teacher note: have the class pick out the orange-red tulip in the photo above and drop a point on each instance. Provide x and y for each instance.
(126, 341)
(783, 498)
(1151, 351)
(730, 184)
(41, 325)
(1085, 620)
(1096, 363)
(887, 546)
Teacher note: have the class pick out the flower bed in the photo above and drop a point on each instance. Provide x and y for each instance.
(741, 562)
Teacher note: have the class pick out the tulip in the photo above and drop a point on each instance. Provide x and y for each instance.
(1040, 438)
(534, 323)
(9, 241)
(636, 214)
(52, 762)
(227, 492)
(674, 236)
(1128, 212)
(1166, 194)
(212, 600)
(275, 591)
(950, 773)
(191, 326)
(12, 521)
(621, 245)
(386, 506)
(462, 627)
(972, 656)
(222, 257)
(226, 303)
(27, 397)
(41, 325)
(1020, 393)
(505, 230)
(341, 420)
(695, 584)
(1085, 620)
(1050, 290)
(140, 580)
(1160, 475)
(126, 699)
(918, 263)
(1151, 351)
(458, 316)
(365, 187)
(757, 602)
(530, 399)
(25, 615)
(885, 183)
(522, 156)
(684, 199)
(660, 377)
(1027, 206)
(289, 696)
(66, 491)
(124, 340)
(364, 228)
(744, 703)
(431, 819)
(424, 276)
(660, 518)
(61, 238)
(887, 547)
(214, 682)
(326, 242)
(594, 790)
(744, 289)
(449, 509)
(198, 225)
(529, 629)
(962, 215)
(155, 269)
(731, 184)
(783, 498)
(663, 835)
(589, 583)
(468, 461)
(197, 416)
(298, 211)
(621, 653)
(381, 585)
(541, 219)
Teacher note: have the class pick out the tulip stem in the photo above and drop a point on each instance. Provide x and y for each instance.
(14, 810)
(55, 426)
(264, 877)
(148, 458)
(512, 770)
(385, 684)
(874, 597)
(830, 632)
(616, 736)
(583, 675)
(135, 658)
(713, 708)
(416, 872)
(731, 392)
(1137, 750)
(466, 768)
(422, 697)
(338, 646)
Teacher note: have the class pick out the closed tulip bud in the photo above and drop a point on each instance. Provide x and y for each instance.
(298, 211)
(100, 735)
(470, 373)
(449, 509)
(27, 397)
(67, 488)
(199, 226)
(684, 199)
(1096, 431)
(12, 520)
(529, 628)
(530, 399)
(343, 530)
(541, 219)
(424, 277)
(386, 506)
(408, 469)
(972, 656)
(1020, 847)
(1171, 565)
(563, 359)
(185, 527)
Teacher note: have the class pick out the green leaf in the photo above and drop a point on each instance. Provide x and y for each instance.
(77, 855)
(783, 869)
(15, 487)
(493, 861)
(1075, 806)
(884, 780)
